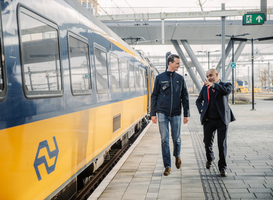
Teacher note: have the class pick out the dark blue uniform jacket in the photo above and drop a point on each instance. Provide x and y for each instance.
(169, 95)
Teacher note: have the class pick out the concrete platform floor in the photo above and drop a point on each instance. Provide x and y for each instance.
(139, 174)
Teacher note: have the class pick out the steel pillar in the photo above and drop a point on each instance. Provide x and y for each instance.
(223, 19)
(194, 59)
(186, 63)
(229, 46)
(162, 31)
(238, 52)
(252, 66)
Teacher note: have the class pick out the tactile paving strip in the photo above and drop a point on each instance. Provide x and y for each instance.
(213, 185)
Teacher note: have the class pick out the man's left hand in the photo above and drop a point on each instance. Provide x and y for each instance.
(185, 120)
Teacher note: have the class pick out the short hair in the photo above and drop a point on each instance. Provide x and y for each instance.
(171, 58)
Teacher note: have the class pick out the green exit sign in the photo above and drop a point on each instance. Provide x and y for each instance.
(253, 19)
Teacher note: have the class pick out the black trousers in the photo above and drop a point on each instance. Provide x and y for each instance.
(210, 128)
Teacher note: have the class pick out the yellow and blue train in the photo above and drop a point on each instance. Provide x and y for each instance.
(69, 89)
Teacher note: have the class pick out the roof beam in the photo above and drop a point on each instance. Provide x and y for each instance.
(177, 15)
(186, 64)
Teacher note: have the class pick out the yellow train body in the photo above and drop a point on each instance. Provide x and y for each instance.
(80, 137)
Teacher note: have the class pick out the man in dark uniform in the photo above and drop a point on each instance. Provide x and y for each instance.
(212, 104)
(169, 94)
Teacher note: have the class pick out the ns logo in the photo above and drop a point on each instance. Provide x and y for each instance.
(42, 160)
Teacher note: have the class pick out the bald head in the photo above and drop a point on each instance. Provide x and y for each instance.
(212, 75)
(212, 71)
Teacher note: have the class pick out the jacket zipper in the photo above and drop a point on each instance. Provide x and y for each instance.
(171, 95)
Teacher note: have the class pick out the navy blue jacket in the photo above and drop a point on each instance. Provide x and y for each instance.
(169, 95)
(222, 91)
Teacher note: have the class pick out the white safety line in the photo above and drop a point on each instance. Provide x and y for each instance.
(99, 190)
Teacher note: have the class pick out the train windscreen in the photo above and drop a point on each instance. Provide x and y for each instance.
(240, 83)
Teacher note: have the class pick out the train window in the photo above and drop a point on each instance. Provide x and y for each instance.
(114, 62)
(2, 64)
(3, 82)
(100, 58)
(79, 64)
(132, 76)
(40, 55)
(2, 77)
(124, 75)
(152, 81)
(141, 77)
(145, 78)
(137, 76)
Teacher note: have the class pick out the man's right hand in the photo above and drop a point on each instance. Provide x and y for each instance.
(154, 119)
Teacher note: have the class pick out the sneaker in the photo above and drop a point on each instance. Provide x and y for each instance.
(178, 162)
(167, 171)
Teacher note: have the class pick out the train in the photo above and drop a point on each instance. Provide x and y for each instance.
(70, 89)
(242, 86)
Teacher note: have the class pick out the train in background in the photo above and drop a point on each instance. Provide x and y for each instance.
(241, 86)
(70, 89)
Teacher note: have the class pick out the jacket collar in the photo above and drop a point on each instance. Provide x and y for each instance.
(169, 73)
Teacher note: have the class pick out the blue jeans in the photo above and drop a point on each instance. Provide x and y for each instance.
(163, 123)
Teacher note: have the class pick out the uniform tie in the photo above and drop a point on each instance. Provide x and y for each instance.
(208, 93)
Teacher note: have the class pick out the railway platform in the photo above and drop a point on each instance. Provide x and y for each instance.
(139, 174)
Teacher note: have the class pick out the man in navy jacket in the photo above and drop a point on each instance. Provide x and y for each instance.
(169, 94)
(212, 104)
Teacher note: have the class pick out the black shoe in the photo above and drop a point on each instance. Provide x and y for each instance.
(223, 173)
(208, 163)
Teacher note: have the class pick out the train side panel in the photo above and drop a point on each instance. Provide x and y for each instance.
(76, 139)
(46, 145)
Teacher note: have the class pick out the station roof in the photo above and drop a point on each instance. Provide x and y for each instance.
(195, 27)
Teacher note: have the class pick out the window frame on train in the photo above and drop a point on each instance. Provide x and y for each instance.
(3, 79)
(126, 73)
(132, 76)
(101, 91)
(88, 74)
(23, 10)
(118, 89)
